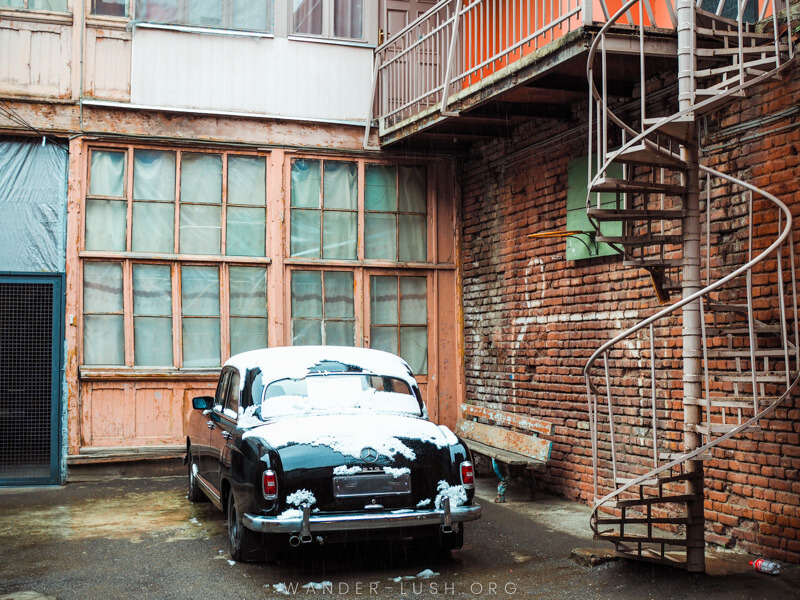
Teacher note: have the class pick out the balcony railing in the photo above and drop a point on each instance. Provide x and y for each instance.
(458, 44)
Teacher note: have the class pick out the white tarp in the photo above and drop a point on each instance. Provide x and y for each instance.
(33, 206)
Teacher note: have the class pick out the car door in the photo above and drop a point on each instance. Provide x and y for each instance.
(224, 416)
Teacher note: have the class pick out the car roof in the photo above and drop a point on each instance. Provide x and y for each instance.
(295, 362)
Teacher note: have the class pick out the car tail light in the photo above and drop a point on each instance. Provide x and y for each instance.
(467, 475)
(269, 485)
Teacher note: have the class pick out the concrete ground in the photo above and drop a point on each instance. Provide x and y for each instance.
(142, 539)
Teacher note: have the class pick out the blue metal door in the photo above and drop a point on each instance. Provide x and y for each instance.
(31, 337)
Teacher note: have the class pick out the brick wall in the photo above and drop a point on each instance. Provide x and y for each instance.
(532, 318)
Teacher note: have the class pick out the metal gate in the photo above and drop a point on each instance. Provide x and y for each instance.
(31, 334)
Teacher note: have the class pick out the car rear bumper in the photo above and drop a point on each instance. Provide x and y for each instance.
(310, 523)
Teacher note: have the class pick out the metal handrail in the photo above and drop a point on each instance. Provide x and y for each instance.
(632, 138)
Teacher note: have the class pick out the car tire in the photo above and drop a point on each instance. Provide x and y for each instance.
(245, 545)
(194, 493)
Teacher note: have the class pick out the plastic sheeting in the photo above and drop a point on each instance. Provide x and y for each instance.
(33, 206)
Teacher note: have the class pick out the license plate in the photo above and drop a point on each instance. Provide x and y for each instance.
(350, 486)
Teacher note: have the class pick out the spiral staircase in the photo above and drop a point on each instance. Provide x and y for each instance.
(667, 394)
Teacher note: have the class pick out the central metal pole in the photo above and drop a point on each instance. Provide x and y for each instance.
(692, 340)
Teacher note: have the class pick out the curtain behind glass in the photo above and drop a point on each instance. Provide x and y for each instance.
(348, 15)
(248, 308)
(247, 180)
(152, 315)
(107, 174)
(103, 334)
(201, 308)
(307, 17)
(153, 175)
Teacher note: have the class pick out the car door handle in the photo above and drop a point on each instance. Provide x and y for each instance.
(211, 424)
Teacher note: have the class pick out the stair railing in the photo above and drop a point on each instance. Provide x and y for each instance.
(600, 384)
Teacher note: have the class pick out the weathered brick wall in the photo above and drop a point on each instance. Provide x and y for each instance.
(532, 318)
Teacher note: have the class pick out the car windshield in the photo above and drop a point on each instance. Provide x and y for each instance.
(338, 393)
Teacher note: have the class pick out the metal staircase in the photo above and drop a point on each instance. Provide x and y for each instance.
(668, 393)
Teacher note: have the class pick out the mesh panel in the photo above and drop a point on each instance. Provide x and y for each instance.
(26, 351)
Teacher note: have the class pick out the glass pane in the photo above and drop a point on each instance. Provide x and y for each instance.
(305, 233)
(339, 234)
(307, 294)
(248, 334)
(153, 228)
(384, 338)
(153, 175)
(152, 340)
(107, 173)
(106, 221)
(339, 295)
(248, 289)
(54, 5)
(246, 233)
(205, 13)
(102, 287)
(413, 239)
(380, 189)
(200, 291)
(341, 185)
(414, 348)
(413, 189)
(152, 290)
(340, 333)
(158, 11)
(380, 236)
(247, 179)
(306, 332)
(383, 300)
(307, 16)
(201, 342)
(112, 8)
(103, 341)
(200, 229)
(306, 185)
(201, 178)
(413, 301)
(254, 15)
(347, 18)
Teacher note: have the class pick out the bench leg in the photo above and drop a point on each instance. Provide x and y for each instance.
(502, 471)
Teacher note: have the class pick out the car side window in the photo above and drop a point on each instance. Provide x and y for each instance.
(219, 396)
(231, 406)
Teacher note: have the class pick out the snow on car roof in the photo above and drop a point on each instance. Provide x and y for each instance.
(295, 362)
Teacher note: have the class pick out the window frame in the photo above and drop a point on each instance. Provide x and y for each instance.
(175, 260)
(227, 17)
(361, 259)
(357, 327)
(328, 24)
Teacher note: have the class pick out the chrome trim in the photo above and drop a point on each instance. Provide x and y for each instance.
(209, 491)
(359, 521)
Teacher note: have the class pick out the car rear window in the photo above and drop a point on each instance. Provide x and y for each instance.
(338, 393)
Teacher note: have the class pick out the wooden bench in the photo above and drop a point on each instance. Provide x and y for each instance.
(501, 440)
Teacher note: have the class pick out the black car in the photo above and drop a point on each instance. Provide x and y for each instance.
(319, 444)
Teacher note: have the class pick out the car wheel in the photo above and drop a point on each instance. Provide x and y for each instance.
(195, 494)
(246, 545)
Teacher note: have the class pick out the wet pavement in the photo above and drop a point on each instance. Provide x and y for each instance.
(142, 539)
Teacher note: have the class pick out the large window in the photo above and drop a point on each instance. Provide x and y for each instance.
(323, 308)
(250, 15)
(399, 318)
(395, 221)
(213, 219)
(325, 211)
(51, 5)
(174, 257)
(329, 18)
